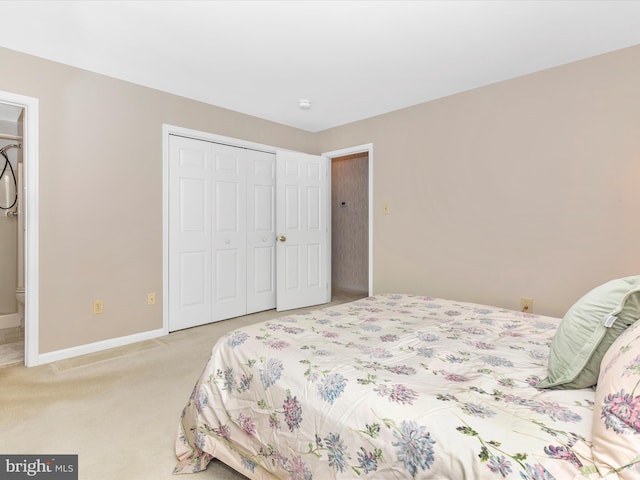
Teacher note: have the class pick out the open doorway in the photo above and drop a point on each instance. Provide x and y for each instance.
(24, 141)
(351, 220)
(350, 223)
(11, 235)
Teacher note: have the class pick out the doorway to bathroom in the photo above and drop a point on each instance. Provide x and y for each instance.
(11, 235)
(19, 269)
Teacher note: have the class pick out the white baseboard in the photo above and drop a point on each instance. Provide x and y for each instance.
(98, 346)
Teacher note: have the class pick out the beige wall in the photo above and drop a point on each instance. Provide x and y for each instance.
(529, 187)
(524, 188)
(100, 195)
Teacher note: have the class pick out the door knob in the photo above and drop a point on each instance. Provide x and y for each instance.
(282, 238)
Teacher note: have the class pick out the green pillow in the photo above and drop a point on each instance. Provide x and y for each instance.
(587, 331)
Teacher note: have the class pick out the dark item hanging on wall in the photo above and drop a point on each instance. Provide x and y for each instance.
(8, 166)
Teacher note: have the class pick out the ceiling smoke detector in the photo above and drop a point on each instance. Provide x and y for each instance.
(304, 104)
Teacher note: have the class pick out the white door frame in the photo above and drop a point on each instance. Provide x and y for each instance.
(367, 147)
(168, 130)
(30, 144)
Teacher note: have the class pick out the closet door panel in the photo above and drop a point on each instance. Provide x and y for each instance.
(190, 237)
(229, 233)
(261, 240)
(193, 280)
(226, 275)
(222, 231)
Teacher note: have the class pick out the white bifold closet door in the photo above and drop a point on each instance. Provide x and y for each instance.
(221, 232)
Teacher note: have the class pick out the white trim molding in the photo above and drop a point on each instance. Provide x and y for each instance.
(72, 352)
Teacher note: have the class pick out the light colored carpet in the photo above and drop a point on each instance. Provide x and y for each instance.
(118, 410)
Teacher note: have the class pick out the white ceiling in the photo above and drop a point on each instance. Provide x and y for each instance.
(351, 59)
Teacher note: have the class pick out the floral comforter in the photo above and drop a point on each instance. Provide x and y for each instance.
(388, 387)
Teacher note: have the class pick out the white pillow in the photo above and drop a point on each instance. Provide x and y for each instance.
(616, 414)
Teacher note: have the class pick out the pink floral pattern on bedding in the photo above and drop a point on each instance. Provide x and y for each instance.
(614, 450)
(392, 386)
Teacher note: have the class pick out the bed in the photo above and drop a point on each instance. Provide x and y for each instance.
(394, 387)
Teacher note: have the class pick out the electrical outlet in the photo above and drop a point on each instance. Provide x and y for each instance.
(151, 298)
(526, 304)
(98, 307)
(385, 209)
